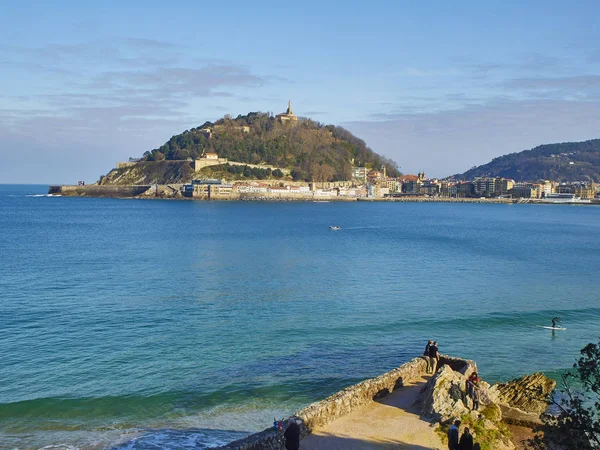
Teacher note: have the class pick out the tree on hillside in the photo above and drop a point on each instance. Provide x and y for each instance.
(309, 149)
(577, 425)
(321, 172)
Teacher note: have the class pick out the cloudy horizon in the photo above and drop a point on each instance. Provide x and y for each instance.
(436, 87)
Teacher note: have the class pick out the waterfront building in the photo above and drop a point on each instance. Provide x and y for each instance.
(545, 187)
(201, 191)
(524, 190)
(503, 186)
(411, 183)
(465, 189)
(483, 185)
(220, 191)
(430, 187)
(447, 189)
(582, 190)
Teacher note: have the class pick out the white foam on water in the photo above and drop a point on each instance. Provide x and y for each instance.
(43, 195)
(59, 447)
(177, 439)
(209, 428)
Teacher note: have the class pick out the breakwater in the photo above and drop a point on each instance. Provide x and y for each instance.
(94, 190)
(345, 401)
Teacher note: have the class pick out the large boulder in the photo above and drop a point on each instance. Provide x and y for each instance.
(443, 400)
(437, 401)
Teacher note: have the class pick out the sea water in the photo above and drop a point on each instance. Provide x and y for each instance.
(144, 324)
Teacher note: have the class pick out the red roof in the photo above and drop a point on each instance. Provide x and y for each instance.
(409, 178)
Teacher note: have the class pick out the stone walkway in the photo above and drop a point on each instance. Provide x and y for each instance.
(392, 422)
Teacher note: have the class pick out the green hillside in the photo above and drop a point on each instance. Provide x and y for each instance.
(310, 150)
(567, 161)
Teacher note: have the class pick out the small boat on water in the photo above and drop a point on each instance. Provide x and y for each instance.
(334, 228)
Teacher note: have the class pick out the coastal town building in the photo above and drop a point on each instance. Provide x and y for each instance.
(524, 190)
(410, 184)
(503, 186)
(465, 189)
(374, 175)
(580, 189)
(360, 173)
(484, 185)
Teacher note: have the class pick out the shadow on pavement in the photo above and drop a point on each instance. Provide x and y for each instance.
(333, 442)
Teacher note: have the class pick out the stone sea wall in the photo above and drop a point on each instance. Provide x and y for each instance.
(343, 402)
(420, 199)
(94, 190)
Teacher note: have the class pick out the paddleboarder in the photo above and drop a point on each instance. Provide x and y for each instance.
(556, 319)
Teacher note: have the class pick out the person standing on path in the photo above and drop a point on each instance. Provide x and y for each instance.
(426, 355)
(466, 440)
(475, 396)
(292, 435)
(472, 381)
(434, 356)
(453, 436)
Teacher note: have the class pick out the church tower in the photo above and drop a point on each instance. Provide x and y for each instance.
(288, 115)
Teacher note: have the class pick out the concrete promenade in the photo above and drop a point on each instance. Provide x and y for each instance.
(392, 422)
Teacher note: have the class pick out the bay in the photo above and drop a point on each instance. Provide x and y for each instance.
(173, 324)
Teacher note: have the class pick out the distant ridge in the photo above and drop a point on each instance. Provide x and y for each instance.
(566, 161)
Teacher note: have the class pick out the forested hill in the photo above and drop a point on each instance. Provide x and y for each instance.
(309, 149)
(567, 161)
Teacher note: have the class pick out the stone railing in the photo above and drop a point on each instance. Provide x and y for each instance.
(341, 403)
(463, 366)
(347, 400)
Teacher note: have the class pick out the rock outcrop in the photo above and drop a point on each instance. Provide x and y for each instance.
(529, 393)
(444, 400)
(523, 400)
(437, 402)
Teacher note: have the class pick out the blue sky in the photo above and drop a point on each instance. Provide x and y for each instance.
(437, 86)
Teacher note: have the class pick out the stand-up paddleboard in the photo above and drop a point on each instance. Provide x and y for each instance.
(554, 328)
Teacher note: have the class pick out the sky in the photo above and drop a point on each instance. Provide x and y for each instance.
(437, 86)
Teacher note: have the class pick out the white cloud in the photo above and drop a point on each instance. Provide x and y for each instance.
(448, 142)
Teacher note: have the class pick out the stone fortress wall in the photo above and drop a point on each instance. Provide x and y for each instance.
(345, 401)
(201, 163)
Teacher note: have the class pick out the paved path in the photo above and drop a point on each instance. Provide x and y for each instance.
(389, 423)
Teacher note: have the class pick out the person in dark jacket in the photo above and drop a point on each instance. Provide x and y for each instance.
(292, 435)
(434, 356)
(453, 436)
(466, 440)
(426, 355)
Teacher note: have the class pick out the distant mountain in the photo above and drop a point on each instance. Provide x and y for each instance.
(567, 161)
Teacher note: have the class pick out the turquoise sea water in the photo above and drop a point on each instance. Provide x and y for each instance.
(144, 324)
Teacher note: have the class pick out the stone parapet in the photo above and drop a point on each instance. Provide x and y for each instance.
(347, 400)
(337, 405)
